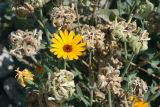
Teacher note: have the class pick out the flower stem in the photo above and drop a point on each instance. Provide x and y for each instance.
(125, 48)
(91, 78)
(154, 96)
(61, 104)
(42, 24)
(65, 64)
(76, 8)
(109, 96)
(48, 34)
(128, 65)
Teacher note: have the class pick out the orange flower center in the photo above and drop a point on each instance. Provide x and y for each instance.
(67, 48)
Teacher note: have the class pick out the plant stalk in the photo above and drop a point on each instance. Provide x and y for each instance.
(42, 24)
(128, 65)
(91, 78)
(109, 96)
(76, 8)
(65, 64)
(125, 48)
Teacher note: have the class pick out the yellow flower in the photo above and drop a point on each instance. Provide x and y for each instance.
(138, 102)
(67, 45)
(24, 76)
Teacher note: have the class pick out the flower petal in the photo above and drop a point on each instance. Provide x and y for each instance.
(70, 37)
(65, 55)
(76, 40)
(54, 41)
(81, 44)
(70, 57)
(56, 45)
(56, 52)
(77, 48)
(60, 53)
(58, 38)
(54, 49)
(78, 53)
(63, 36)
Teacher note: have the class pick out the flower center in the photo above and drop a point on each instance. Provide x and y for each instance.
(67, 48)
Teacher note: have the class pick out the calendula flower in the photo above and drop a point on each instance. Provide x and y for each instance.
(67, 45)
(138, 102)
(24, 76)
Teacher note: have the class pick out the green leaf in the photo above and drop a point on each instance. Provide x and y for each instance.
(80, 96)
(150, 70)
(152, 87)
(66, 2)
(106, 14)
(77, 73)
(85, 101)
(158, 8)
(146, 95)
(129, 2)
(154, 63)
(126, 86)
(79, 91)
(155, 96)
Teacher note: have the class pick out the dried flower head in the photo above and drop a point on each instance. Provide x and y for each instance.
(122, 30)
(25, 43)
(110, 61)
(61, 85)
(63, 17)
(138, 87)
(139, 42)
(24, 76)
(118, 100)
(138, 102)
(93, 37)
(129, 32)
(99, 96)
(111, 46)
(109, 76)
(21, 8)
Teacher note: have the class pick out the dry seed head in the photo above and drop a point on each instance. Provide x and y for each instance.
(139, 42)
(99, 96)
(63, 17)
(21, 10)
(109, 76)
(111, 60)
(110, 46)
(122, 30)
(116, 63)
(61, 85)
(25, 43)
(93, 37)
(120, 100)
(129, 32)
(138, 87)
